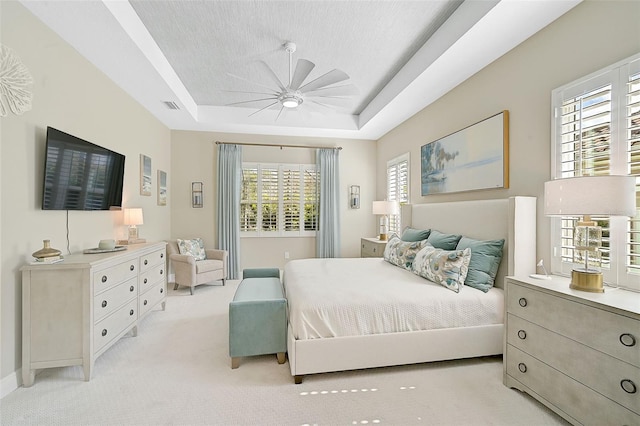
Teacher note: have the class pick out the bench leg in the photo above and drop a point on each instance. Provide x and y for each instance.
(235, 362)
(175, 286)
(281, 357)
(191, 288)
(297, 379)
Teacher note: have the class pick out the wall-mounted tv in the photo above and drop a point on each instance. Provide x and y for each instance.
(79, 175)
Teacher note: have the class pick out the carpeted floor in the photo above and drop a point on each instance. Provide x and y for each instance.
(177, 371)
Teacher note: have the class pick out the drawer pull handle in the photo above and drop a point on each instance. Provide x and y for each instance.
(522, 367)
(161, 272)
(145, 280)
(104, 303)
(104, 278)
(145, 302)
(161, 290)
(131, 312)
(627, 339)
(131, 288)
(522, 302)
(161, 255)
(104, 332)
(146, 261)
(522, 334)
(628, 386)
(131, 268)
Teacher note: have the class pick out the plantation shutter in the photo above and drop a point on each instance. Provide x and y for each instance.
(632, 119)
(291, 199)
(397, 187)
(269, 197)
(249, 199)
(311, 197)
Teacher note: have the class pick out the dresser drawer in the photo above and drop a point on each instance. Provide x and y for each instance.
(602, 373)
(151, 277)
(576, 400)
(150, 260)
(113, 325)
(107, 278)
(110, 300)
(613, 334)
(151, 298)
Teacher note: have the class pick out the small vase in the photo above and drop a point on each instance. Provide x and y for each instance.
(46, 251)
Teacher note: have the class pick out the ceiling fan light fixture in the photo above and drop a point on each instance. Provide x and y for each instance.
(290, 100)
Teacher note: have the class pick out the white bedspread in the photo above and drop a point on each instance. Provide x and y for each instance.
(348, 297)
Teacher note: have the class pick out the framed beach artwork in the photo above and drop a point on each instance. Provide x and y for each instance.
(145, 175)
(162, 188)
(476, 157)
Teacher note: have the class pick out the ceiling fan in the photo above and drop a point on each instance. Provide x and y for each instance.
(321, 91)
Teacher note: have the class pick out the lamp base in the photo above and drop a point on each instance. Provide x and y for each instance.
(590, 281)
(383, 237)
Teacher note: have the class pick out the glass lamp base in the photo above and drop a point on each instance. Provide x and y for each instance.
(590, 281)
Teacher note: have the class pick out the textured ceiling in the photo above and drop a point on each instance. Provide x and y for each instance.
(401, 55)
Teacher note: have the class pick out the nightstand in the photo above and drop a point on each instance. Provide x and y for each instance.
(372, 247)
(576, 352)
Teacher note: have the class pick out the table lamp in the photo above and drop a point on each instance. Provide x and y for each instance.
(132, 218)
(384, 209)
(585, 196)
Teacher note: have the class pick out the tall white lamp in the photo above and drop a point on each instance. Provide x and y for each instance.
(133, 218)
(586, 196)
(384, 209)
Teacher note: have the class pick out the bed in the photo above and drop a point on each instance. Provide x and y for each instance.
(338, 330)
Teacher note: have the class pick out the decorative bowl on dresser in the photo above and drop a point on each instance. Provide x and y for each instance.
(73, 311)
(576, 352)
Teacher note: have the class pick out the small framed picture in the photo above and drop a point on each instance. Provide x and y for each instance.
(196, 195)
(145, 175)
(162, 188)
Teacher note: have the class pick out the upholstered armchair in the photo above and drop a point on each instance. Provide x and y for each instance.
(190, 272)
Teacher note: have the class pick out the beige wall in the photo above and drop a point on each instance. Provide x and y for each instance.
(194, 159)
(591, 36)
(71, 95)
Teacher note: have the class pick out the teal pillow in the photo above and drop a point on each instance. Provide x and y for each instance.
(443, 241)
(485, 260)
(413, 235)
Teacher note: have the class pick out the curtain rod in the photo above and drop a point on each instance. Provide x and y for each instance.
(278, 145)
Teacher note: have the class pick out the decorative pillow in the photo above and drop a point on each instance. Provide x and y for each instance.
(401, 253)
(485, 260)
(194, 248)
(411, 234)
(443, 241)
(445, 267)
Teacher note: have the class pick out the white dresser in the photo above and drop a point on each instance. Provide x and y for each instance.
(73, 311)
(576, 352)
(372, 247)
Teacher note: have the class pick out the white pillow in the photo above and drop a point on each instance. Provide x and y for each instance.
(193, 247)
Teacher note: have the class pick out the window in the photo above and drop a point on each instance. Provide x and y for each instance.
(596, 131)
(397, 187)
(279, 200)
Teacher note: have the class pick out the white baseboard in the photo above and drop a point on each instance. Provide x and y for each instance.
(10, 383)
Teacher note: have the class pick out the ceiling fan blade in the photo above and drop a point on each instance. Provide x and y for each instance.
(262, 109)
(332, 100)
(275, 94)
(252, 101)
(273, 75)
(333, 76)
(280, 112)
(346, 90)
(303, 69)
(329, 107)
(249, 81)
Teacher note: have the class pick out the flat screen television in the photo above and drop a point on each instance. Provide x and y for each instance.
(79, 175)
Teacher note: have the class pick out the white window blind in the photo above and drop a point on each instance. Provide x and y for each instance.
(278, 200)
(596, 131)
(397, 187)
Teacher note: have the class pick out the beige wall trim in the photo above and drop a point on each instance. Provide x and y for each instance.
(279, 145)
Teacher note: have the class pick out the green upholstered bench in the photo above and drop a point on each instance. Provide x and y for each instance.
(258, 316)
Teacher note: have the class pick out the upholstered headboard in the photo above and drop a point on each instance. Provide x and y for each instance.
(513, 219)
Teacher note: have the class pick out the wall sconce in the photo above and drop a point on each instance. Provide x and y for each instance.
(586, 196)
(354, 196)
(196, 195)
(384, 209)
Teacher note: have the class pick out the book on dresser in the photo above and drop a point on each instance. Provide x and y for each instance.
(576, 352)
(74, 311)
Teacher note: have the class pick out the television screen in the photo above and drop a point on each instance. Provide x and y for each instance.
(79, 175)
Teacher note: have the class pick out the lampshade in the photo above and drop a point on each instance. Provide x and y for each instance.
(591, 195)
(133, 216)
(386, 207)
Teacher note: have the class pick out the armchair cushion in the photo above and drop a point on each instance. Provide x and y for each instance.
(193, 247)
(207, 265)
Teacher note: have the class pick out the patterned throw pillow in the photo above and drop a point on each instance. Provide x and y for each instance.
(401, 253)
(194, 247)
(445, 267)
